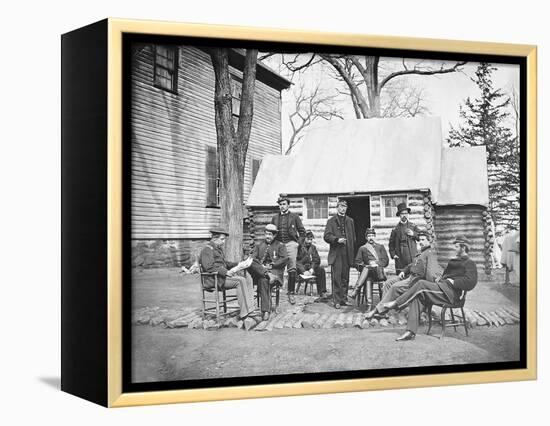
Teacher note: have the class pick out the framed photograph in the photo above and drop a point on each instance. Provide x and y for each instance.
(253, 212)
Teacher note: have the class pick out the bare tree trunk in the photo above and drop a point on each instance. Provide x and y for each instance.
(232, 145)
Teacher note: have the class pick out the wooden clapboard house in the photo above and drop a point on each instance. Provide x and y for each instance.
(175, 198)
(375, 165)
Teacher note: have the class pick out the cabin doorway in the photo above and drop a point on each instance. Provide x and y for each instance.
(359, 211)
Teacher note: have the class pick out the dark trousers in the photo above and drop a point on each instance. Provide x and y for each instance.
(320, 277)
(257, 271)
(340, 277)
(422, 293)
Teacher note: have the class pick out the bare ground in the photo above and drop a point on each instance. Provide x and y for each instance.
(179, 354)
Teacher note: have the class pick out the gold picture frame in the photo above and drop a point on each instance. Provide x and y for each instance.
(116, 28)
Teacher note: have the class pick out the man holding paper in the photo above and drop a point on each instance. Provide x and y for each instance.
(212, 259)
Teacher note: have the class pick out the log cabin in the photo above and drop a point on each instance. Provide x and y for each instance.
(376, 164)
(174, 180)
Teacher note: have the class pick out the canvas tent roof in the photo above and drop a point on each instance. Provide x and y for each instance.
(366, 156)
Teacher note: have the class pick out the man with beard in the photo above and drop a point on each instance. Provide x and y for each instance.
(371, 260)
(308, 262)
(212, 259)
(340, 235)
(459, 276)
(291, 234)
(402, 242)
(268, 265)
(424, 266)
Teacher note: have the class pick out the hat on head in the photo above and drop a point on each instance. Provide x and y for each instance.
(423, 232)
(342, 202)
(309, 234)
(402, 207)
(370, 231)
(461, 239)
(219, 231)
(271, 228)
(283, 197)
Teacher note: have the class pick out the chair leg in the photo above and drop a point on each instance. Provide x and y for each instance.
(216, 292)
(224, 304)
(464, 321)
(443, 311)
(429, 319)
(453, 318)
(203, 304)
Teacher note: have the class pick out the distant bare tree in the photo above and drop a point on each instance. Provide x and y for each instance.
(366, 78)
(310, 106)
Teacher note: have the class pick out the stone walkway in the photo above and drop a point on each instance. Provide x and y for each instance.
(308, 314)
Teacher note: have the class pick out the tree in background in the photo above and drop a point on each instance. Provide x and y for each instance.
(233, 142)
(486, 122)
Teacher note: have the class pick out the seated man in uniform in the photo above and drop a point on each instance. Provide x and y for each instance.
(212, 259)
(459, 276)
(371, 260)
(308, 262)
(424, 266)
(269, 260)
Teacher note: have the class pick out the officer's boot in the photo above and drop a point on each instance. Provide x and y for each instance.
(291, 286)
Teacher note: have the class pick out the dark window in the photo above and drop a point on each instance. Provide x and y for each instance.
(236, 92)
(256, 162)
(317, 207)
(389, 205)
(166, 68)
(212, 177)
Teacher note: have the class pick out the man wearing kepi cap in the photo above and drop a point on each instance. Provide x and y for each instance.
(212, 259)
(291, 234)
(459, 276)
(269, 261)
(340, 235)
(371, 260)
(424, 266)
(308, 262)
(402, 242)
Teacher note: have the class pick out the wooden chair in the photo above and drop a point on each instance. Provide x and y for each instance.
(458, 319)
(309, 282)
(219, 303)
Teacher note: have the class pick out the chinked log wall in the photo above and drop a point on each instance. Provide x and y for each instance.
(451, 221)
(262, 217)
(447, 222)
(170, 133)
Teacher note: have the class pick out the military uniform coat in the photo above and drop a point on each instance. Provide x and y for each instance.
(212, 259)
(424, 265)
(308, 257)
(338, 227)
(402, 245)
(273, 254)
(296, 230)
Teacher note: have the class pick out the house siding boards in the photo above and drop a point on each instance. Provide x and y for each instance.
(170, 133)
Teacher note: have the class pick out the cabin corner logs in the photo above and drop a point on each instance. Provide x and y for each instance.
(444, 223)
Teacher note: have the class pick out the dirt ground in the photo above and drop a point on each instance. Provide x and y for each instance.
(161, 354)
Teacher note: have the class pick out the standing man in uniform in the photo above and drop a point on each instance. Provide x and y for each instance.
(291, 234)
(424, 266)
(340, 235)
(309, 262)
(402, 243)
(459, 276)
(268, 265)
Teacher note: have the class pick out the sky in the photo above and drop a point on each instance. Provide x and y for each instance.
(443, 93)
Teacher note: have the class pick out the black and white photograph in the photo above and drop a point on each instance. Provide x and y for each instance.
(322, 211)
